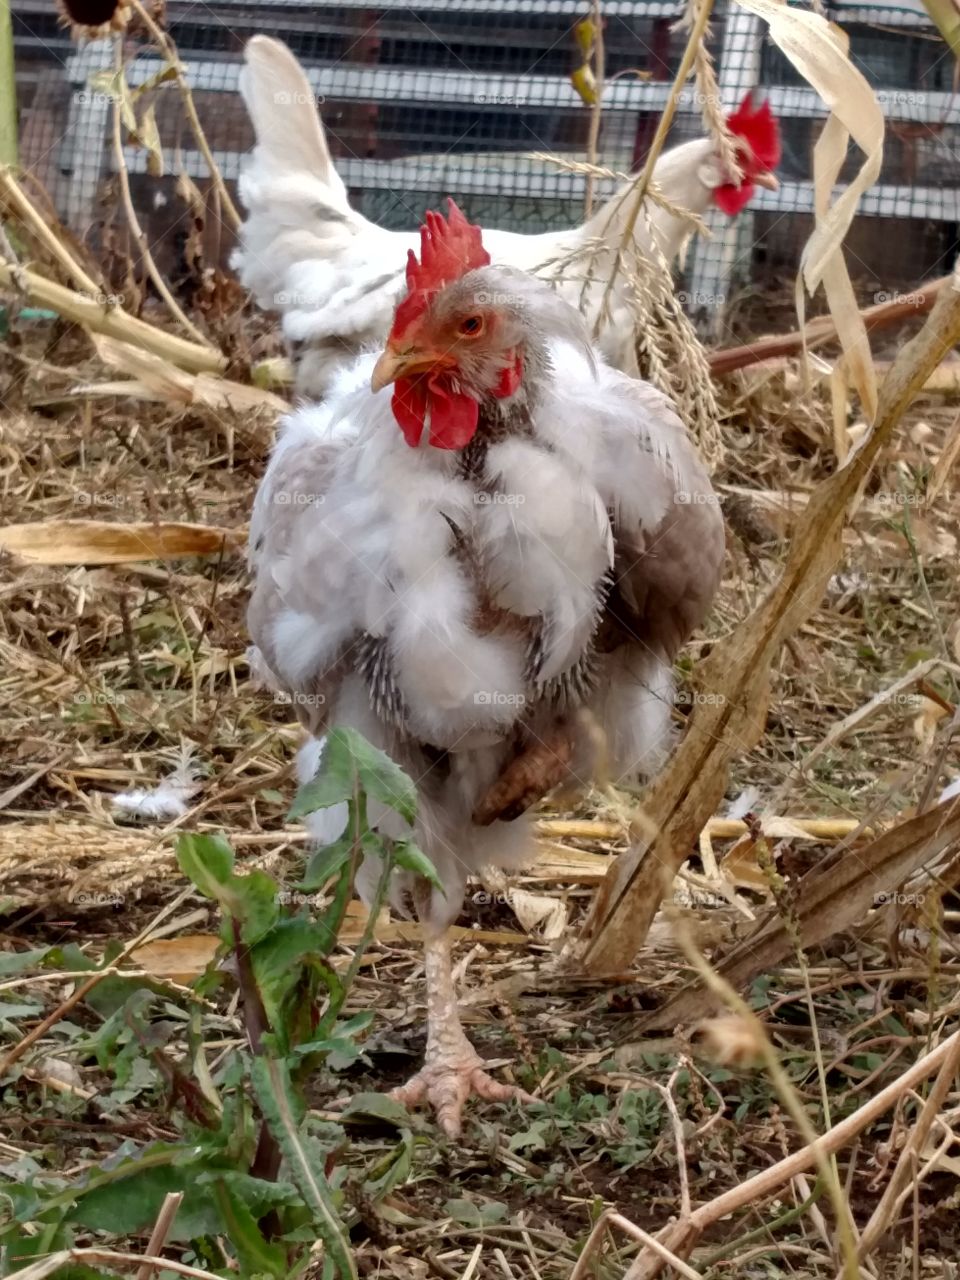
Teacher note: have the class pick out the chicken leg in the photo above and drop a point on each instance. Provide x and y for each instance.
(453, 1069)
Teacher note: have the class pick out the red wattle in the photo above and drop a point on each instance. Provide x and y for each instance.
(731, 199)
(510, 379)
(410, 408)
(453, 415)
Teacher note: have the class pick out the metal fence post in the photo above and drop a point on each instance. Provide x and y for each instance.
(82, 150)
(8, 88)
(718, 261)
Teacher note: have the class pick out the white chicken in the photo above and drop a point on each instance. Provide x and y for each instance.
(336, 277)
(482, 541)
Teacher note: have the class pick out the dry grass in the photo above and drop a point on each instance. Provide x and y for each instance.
(109, 674)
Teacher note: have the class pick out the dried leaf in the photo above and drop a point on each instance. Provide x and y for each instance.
(585, 83)
(102, 542)
(533, 909)
(731, 1040)
(585, 33)
(163, 76)
(154, 378)
(113, 85)
(818, 51)
(189, 193)
(946, 15)
(925, 724)
(181, 959)
(829, 899)
(148, 136)
(742, 869)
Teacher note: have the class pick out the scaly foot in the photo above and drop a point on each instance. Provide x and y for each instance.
(447, 1082)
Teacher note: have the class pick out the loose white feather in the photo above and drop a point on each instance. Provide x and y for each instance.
(168, 799)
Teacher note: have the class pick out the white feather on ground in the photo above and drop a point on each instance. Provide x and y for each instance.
(168, 799)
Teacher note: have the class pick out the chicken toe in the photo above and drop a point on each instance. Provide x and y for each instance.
(446, 1084)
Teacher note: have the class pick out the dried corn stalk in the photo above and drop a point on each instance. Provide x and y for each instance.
(737, 674)
(818, 50)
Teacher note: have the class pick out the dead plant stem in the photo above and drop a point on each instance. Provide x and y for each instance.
(136, 229)
(31, 218)
(596, 109)
(881, 1217)
(161, 1229)
(826, 1166)
(639, 190)
(113, 321)
(169, 51)
(683, 1235)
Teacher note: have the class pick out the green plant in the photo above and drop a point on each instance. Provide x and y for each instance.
(263, 1180)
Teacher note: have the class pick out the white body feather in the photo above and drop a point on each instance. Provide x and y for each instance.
(354, 540)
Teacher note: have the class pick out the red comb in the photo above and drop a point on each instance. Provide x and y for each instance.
(759, 130)
(449, 247)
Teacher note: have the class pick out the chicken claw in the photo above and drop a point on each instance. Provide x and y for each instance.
(447, 1082)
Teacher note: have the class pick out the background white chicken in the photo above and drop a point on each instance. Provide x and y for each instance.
(464, 569)
(335, 277)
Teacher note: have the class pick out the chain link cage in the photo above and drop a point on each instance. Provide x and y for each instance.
(451, 97)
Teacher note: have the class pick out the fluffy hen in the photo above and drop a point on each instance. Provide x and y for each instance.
(482, 544)
(336, 277)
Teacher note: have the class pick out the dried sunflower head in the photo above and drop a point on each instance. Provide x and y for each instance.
(94, 19)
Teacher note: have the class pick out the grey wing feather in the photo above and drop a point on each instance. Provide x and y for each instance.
(292, 491)
(668, 525)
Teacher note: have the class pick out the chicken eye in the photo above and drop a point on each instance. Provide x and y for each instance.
(472, 326)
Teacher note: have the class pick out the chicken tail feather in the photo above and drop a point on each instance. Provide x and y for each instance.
(294, 252)
(282, 104)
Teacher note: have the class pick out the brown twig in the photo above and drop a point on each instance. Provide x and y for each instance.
(161, 1229)
(54, 1261)
(822, 330)
(610, 1218)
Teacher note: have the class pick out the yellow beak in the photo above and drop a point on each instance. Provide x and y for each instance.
(768, 180)
(395, 364)
(391, 366)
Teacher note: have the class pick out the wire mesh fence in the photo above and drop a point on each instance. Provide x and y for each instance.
(452, 97)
